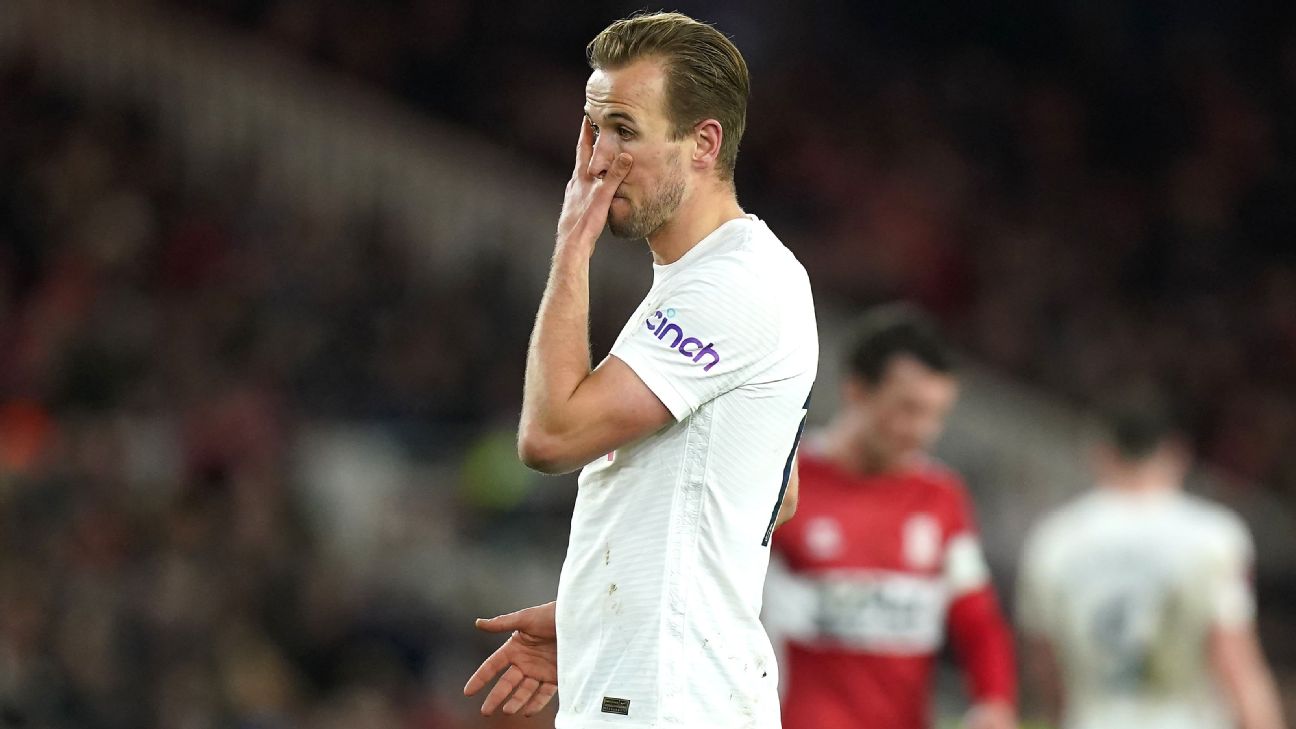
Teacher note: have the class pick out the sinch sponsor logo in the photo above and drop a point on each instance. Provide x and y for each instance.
(672, 334)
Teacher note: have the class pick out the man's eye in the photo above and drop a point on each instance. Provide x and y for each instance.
(624, 133)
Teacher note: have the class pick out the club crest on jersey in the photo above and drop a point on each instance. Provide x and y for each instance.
(921, 541)
(823, 537)
(672, 335)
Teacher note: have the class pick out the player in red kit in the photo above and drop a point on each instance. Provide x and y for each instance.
(883, 559)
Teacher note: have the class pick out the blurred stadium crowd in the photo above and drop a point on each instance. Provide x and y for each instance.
(1081, 194)
(1086, 194)
(155, 569)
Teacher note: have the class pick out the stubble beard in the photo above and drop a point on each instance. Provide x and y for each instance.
(646, 219)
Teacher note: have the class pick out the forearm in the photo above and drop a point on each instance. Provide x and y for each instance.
(570, 414)
(1258, 703)
(1040, 665)
(1245, 675)
(558, 358)
(985, 647)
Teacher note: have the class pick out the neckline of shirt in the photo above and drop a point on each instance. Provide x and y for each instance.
(1139, 497)
(698, 250)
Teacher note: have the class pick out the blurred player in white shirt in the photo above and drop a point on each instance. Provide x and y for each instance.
(687, 431)
(1135, 599)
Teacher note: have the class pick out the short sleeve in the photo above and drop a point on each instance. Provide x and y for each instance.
(1232, 596)
(703, 336)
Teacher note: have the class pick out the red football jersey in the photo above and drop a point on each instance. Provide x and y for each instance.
(860, 588)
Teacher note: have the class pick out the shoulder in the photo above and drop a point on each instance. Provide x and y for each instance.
(728, 282)
(752, 261)
(942, 477)
(1058, 526)
(1069, 515)
(940, 483)
(1212, 515)
(936, 490)
(1216, 526)
(756, 293)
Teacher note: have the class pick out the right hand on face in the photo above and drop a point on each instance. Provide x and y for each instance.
(529, 660)
(589, 191)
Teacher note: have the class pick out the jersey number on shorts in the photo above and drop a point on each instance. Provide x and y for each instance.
(787, 474)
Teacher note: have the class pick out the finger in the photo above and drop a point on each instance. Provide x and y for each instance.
(620, 168)
(615, 174)
(529, 619)
(524, 692)
(490, 668)
(584, 146)
(503, 687)
(502, 623)
(541, 699)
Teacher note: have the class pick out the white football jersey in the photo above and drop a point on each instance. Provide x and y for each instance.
(660, 594)
(1126, 587)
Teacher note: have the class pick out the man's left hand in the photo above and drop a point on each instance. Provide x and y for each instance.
(528, 662)
(991, 715)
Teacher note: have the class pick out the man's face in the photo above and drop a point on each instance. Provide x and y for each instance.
(626, 107)
(904, 413)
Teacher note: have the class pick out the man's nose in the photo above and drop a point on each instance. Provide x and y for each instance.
(601, 160)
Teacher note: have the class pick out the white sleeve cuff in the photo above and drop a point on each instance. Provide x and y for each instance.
(660, 386)
(965, 565)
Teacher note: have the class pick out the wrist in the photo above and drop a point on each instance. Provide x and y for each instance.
(573, 244)
(994, 703)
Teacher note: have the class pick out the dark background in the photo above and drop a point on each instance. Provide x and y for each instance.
(255, 462)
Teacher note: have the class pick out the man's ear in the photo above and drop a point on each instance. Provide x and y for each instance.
(708, 135)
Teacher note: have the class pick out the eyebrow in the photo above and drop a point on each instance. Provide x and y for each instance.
(614, 115)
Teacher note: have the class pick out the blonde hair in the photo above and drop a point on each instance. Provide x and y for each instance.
(706, 76)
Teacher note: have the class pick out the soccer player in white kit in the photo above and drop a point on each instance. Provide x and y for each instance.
(686, 431)
(1135, 600)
